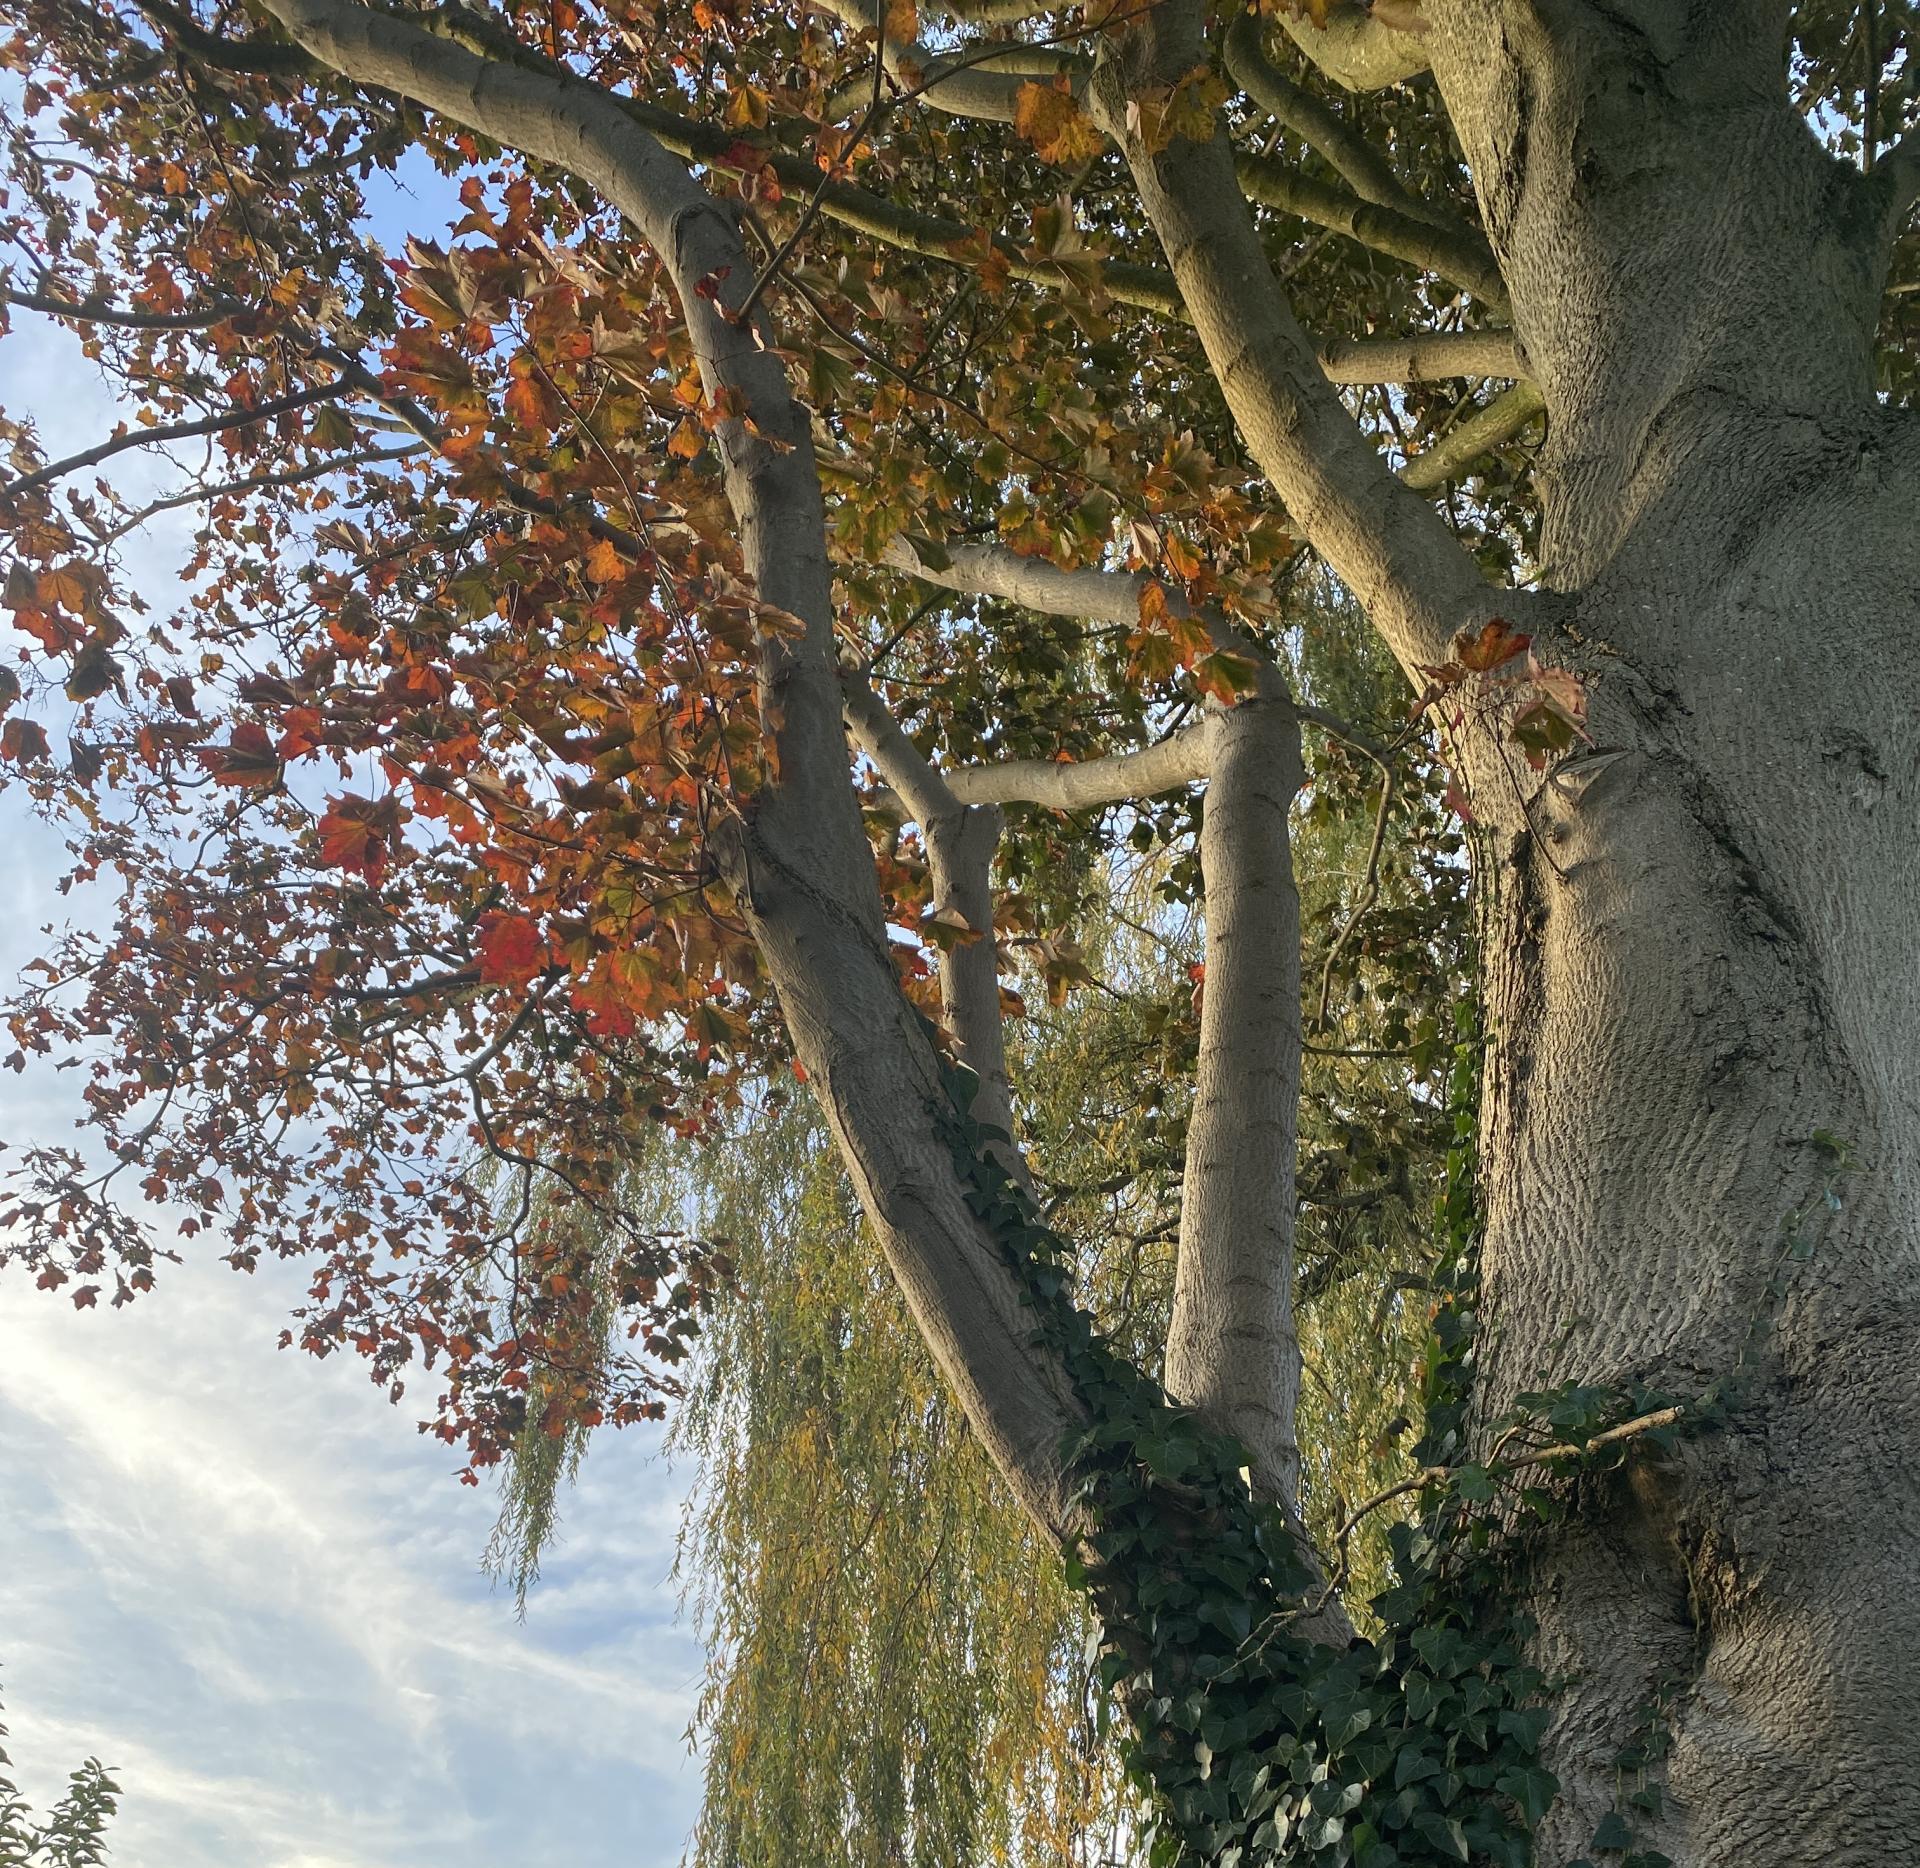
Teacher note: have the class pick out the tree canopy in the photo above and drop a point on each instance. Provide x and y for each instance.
(467, 664)
(936, 593)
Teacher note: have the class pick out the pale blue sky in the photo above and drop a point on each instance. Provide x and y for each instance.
(248, 1583)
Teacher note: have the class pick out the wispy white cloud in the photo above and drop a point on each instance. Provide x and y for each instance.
(244, 1581)
(252, 1588)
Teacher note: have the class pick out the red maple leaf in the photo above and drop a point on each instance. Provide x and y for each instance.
(511, 950)
(1492, 644)
(248, 759)
(357, 834)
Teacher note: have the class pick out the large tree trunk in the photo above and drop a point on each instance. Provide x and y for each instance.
(1696, 964)
(1699, 936)
(1701, 952)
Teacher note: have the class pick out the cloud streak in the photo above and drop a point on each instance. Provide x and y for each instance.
(248, 1584)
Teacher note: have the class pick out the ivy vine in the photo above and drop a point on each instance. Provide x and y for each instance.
(1253, 1744)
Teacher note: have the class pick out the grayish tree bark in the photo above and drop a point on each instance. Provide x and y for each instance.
(960, 839)
(1355, 49)
(1394, 552)
(1700, 933)
(1232, 1350)
(1701, 953)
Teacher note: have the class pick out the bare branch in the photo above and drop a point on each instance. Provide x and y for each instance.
(1454, 249)
(222, 423)
(924, 793)
(1392, 550)
(1479, 435)
(1459, 255)
(103, 311)
(1426, 357)
(1094, 596)
(1088, 595)
(981, 79)
(920, 785)
(1083, 785)
(208, 48)
(1354, 48)
(1367, 172)
(960, 839)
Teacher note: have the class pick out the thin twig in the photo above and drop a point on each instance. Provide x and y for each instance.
(259, 483)
(877, 107)
(1440, 1475)
(1369, 889)
(172, 431)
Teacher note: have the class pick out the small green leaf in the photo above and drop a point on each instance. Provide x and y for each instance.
(1474, 1484)
(1613, 1834)
(1530, 1787)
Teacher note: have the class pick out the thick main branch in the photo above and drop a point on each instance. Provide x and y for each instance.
(1391, 548)
(798, 862)
(1232, 1350)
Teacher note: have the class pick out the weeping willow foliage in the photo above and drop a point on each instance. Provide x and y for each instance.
(1374, 1128)
(542, 1461)
(896, 1670)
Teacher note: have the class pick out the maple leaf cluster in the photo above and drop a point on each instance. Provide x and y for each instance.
(407, 799)
(405, 809)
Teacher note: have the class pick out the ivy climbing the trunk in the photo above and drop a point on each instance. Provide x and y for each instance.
(1255, 1740)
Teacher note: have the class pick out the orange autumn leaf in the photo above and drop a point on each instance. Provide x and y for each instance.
(604, 563)
(357, 834)
(1482, 650)
(248, 760)
(1049, 117)
(512, 950)
(23, 741)
(531, 403)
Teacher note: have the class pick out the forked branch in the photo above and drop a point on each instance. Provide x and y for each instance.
(799, 865)
(1392, 550)
(960, 840)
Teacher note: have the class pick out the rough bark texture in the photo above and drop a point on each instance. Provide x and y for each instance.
(1694, 280)
(1701, 952)
(1696, 961)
